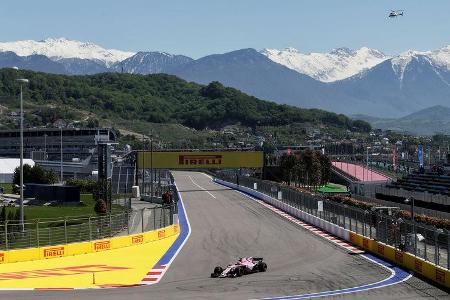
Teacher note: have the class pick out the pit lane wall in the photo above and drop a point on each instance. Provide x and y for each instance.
(415, 264)
(50, 252)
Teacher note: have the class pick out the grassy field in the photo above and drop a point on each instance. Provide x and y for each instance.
(51, 221)
(61, 212)
(7, 188)
(53, 212)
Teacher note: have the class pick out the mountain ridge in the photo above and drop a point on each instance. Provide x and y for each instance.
(336, 65)
(394, 87)
(58, 48)
(428, 121)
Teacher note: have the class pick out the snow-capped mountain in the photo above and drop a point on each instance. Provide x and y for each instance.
(439, 58)
(61, 48)
(336, 65)
(151, 63)
(399, 86)
(363, 81)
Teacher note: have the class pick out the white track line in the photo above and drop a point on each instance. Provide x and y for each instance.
(311, 228)
(155, 279)
(200, 187)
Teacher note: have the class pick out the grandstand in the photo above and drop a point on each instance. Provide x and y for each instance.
(359, 172)
(431, 183)
(430, 190)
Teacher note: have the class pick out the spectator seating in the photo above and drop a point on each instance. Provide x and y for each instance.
(429, 182)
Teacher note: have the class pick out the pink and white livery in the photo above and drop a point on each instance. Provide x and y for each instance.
(245, 265)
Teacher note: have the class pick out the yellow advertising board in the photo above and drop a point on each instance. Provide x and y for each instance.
(200, 160)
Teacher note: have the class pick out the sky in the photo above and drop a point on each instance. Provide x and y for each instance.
(201, 27)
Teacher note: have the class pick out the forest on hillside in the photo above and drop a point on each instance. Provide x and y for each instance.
(164, 98)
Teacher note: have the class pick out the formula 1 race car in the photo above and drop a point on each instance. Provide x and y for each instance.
(245, 265)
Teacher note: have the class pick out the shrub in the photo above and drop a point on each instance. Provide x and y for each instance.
(100, 207)
(87, 186)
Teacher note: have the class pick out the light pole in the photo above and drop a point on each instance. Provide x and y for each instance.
(21, 81)
(45, 146)
(368, 165)
(410, 200)
(151, 165)
(143, 165)
(61, 150)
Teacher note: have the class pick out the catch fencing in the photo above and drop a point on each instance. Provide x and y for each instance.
(124, 177)
(48, 232)
(428, 242)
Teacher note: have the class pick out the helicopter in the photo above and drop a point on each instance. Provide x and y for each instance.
(395, 13)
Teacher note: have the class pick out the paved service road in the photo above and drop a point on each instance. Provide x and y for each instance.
(226, 225)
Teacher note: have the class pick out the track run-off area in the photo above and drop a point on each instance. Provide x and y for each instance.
(220, 226)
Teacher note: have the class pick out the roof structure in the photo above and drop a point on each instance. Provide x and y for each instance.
(8, 165)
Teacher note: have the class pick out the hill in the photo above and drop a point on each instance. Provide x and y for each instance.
(429, 121)
(163, 99)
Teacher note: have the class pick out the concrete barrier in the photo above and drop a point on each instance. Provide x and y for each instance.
(325, 225)
(49, 252)
(415, 264)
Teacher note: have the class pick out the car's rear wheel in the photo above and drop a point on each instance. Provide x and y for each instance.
(262, 267)
(217, 272)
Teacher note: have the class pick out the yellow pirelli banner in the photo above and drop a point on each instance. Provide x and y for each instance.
(200, 160)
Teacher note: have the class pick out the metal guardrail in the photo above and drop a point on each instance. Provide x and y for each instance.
(40, 233)
(427, 242)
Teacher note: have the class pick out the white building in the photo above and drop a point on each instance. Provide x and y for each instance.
(7, 167)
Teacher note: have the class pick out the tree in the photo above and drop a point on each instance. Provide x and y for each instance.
(310, 168)
(35, 174)
(213, 90)
(316, 172)
(361, 126)
(92, 123)
(325, 166)
(85, 185)
(287, 165)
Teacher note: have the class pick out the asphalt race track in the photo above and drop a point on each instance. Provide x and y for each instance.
(226, 225)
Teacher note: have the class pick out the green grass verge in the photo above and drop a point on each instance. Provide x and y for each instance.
(7, 188)
(52, 219)
(332, 188)
(53, 213)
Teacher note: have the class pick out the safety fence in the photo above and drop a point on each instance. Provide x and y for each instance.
(48, 232)
(404, 206)
(124, 177)
(427, 242)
